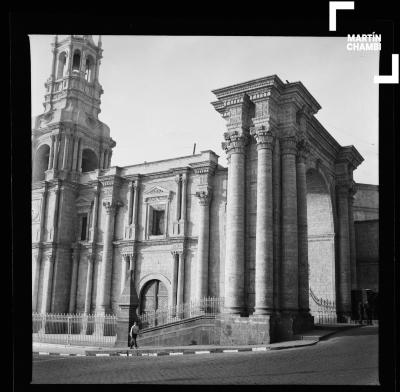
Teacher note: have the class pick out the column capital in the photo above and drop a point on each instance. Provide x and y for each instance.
(235, 143)
(288, 145)
(303, 150)
(111, 206)
(204, 197)
(264, 137)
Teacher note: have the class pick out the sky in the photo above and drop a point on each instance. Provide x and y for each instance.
(157, 90)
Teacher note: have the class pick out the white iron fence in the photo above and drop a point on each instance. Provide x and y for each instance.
(323, 310)
(206, 306)
(74, 329)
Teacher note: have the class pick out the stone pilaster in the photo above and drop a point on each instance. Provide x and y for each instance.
(103, 291)
(289, 264)
(124, 270)
(235, 224)
(74, 280)
(51, 155)
(56, 151)
(264, 283)
(93, 228)
(303, 150)
(181, 279)
(203, 243)
(352, 238)
(178, 181)
(174, 281)
(183, 205)
(47, 283)
(35, 278)
(344, 292)
(89, 283)
(75, 153)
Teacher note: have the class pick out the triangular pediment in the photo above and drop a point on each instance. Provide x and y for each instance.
(82, 200)
(157, 191)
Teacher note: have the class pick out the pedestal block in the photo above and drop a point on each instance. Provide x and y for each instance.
(126, 314)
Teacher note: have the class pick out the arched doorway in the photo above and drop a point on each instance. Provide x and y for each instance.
(321, 237)
(154, 297)
(41, 163)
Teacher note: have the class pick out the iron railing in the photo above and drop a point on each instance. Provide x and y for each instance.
(323, 310)
(205, 306)
(74, 329)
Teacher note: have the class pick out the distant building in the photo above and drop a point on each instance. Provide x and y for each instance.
(261, 233)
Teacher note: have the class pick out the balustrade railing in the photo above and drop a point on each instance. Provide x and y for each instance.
(323, 310)
(74, 329)
(206, 306)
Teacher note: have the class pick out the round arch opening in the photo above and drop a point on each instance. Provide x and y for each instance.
(41, 163)
(321, 237)
(153, 297)
(89, 160)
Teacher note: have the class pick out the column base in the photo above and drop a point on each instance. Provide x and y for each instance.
(234, 310)
(263, 311)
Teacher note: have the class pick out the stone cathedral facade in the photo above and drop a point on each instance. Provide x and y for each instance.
(260, 233)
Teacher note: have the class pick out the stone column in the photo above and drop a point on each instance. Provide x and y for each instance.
(302, 227)
(235, 224)
(124, 268)
(105, 159)
(89, 283)
(178, 197)
(75, 154)
(184, 192)
(289, 264)
(93, 228)
(109, 159)
(74, 280)
(79, 162)
(66, 152)
(264, 282)
(203, 243)
(35, 279)
(103, 290)
(344, 295)
(181, 278)
(101, 160)
(51, 155)
(276, 175)
(175, 266)
(352, 237)
(47, 284)
(56, 151)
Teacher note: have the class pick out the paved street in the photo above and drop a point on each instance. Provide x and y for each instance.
(349, 357)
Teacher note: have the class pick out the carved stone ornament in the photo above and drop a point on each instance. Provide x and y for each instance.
(204, 197)
(234, 143)
(35, 210)
(156, 194)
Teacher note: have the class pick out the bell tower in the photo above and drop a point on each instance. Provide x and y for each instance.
(70, 146)
(68, 138)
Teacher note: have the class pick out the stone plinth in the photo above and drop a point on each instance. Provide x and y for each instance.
(126, 315)
(288, 324)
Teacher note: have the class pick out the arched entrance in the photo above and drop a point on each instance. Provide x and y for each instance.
(321, 237)
(89, 160)
(154, 296)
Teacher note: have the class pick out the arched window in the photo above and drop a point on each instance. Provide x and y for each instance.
(41, 163)
(89, 160)
(89, 67)
(62, 59)
(76, 61)
(154, 296)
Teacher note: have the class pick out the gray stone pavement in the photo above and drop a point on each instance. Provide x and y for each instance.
(349, 357)
(306, 339)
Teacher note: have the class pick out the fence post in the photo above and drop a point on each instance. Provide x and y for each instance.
(69, 328)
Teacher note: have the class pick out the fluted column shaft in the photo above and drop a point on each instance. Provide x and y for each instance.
(289, 266)
(344, 300)
(103, 291)
(302, 230)
(264, 225)
(56, 151)
(276, 174)
(203, 244)
(235, 226)
(74, 280)
(89, 284)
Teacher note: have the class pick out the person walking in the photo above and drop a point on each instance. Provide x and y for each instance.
(133, 333)
(368, 313)
(360, 312)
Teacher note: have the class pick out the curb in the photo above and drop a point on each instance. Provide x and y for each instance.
(129, 353)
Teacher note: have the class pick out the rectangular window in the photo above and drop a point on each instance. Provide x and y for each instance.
(157, 227)
(83, 228)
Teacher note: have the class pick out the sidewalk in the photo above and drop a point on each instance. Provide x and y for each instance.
(306, 339)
